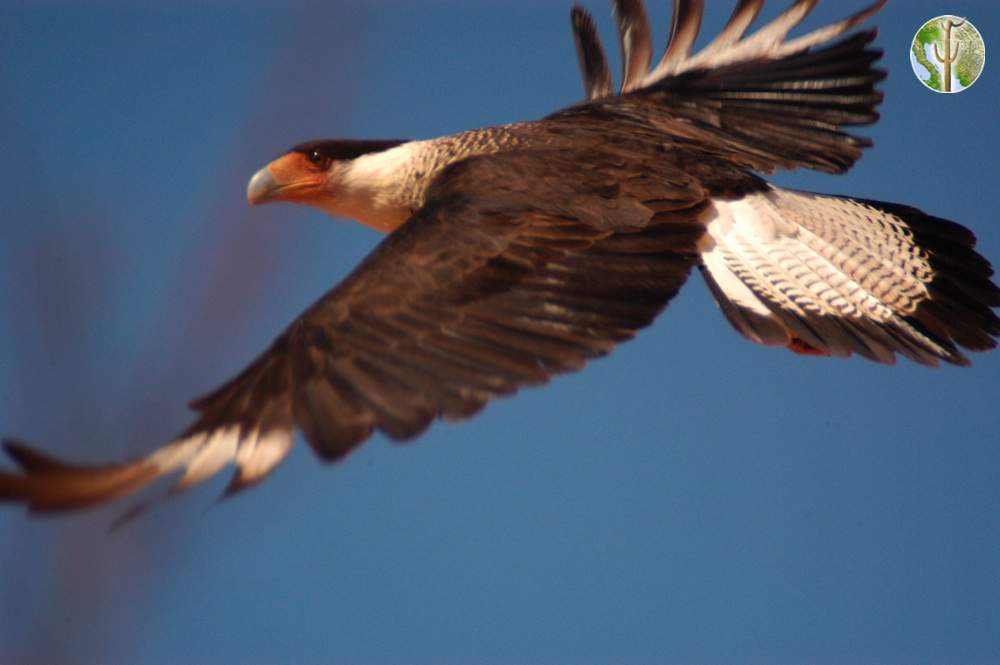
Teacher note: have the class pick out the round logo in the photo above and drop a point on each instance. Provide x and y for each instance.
(948, 54)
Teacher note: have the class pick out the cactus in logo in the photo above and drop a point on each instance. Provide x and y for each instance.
(950, 54)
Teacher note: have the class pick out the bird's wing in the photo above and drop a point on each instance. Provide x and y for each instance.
(835, 276)
(818, 274)
(518, 267)
(761, 101)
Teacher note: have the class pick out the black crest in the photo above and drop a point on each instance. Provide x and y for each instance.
(341, 149)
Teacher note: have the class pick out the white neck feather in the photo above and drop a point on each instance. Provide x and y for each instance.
(378, 189)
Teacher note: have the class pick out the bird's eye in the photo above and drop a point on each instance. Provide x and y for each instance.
(319, 159)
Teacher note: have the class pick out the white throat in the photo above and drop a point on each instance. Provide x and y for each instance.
(380, 189)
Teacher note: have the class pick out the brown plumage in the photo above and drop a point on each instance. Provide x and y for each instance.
(593, 63)
(520, 252)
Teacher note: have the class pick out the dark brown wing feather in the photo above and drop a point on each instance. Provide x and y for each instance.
(634, 40)
(765, 115)
(593, 63)
(519, 267)
(790, 112)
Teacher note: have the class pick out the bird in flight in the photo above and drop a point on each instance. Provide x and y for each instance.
(518, 252)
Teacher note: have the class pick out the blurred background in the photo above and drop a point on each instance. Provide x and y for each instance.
(691, 499)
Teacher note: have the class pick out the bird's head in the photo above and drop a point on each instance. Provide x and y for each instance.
(322, 174)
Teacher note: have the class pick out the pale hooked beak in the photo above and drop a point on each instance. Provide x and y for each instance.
(262, 187)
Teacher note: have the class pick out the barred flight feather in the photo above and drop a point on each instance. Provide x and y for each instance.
(840, 276)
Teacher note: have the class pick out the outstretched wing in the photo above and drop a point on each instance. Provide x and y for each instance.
(761, 101)
(519, 267)
(818, 274)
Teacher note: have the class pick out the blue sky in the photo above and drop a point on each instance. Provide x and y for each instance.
(693, 498)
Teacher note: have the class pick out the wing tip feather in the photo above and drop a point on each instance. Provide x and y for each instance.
(49, 485)
(45, 484)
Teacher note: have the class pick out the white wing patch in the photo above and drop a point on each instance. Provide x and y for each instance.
(203, 455)
(737, 223)
(258, 456)
(818, 274)
(218, 449)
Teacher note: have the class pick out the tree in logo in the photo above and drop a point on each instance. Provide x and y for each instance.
(948, 54)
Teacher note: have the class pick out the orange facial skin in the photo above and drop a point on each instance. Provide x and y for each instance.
(292, 177)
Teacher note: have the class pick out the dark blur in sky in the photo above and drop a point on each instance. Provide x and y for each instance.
(691, 499)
